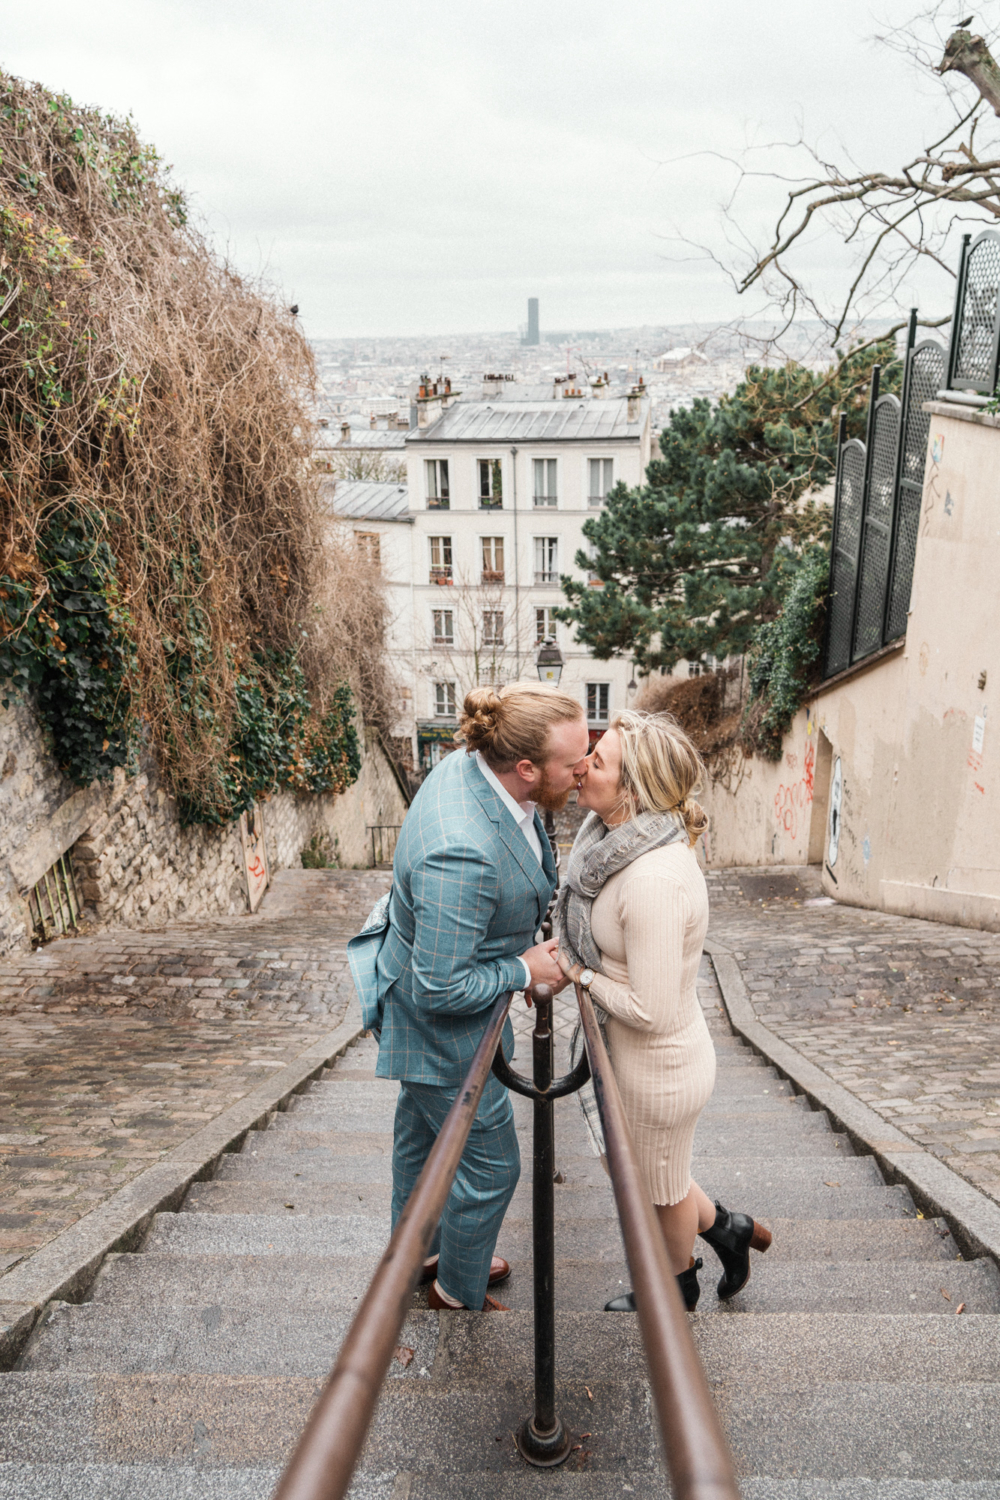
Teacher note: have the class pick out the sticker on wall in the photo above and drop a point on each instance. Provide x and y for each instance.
(866, 849)
(937, 447)
(836, 796)
(979, 733)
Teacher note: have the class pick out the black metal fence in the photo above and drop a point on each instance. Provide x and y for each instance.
(974, 356)
(876, 511)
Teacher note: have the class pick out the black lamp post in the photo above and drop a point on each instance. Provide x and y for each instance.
(549, 663)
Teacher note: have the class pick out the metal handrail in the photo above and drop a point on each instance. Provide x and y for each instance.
(695, 1446)
(331, 1444)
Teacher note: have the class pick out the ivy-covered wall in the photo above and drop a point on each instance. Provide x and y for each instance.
(137, 863)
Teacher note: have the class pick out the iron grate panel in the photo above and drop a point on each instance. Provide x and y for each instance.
(928, 365)
(873, 576)
(844, 555)
(976, 352)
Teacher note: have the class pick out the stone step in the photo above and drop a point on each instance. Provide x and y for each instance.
(99, 1338)
(349, 1234)
(798, 1347)
(327, 1281)
(837, 1430)
(182, 1481)
(787, 1197)
(241, 1421)
(91, 1481)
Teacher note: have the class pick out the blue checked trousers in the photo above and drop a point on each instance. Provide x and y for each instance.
(483, 1187)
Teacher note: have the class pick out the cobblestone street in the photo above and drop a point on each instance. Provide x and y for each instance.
(119, 1047)
(903, 1013)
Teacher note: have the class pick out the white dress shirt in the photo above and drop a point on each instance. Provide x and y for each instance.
(523, 814)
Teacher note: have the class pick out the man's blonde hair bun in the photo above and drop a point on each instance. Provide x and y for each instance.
(512, 723)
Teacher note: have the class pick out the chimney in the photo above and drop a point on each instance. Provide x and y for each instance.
(433, 398)
(635, 396)
(345, 432)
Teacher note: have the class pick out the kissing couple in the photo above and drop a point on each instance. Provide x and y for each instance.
(473, 877)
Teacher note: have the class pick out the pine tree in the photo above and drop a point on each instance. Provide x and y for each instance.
(692, 562)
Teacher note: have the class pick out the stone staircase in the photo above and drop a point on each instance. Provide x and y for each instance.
(842, 1370)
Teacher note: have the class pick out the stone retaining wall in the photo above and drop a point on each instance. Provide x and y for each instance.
(134, 863)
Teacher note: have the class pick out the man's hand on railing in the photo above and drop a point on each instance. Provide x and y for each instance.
(541, 961)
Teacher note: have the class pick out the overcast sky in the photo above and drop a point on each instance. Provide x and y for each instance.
(419, 168)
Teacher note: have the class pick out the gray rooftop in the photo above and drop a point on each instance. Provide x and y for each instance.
(533, 422)
(360, 437)
(363, 500)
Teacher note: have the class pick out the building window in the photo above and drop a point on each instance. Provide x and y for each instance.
(438, 493)
(594, 581)
(369, 544)
(546, 559)
(492, 559)
(598, 694)
(444, 627)
(444, 700)
(440, 559)
(545, 481)
(600, 471)
(490, 484)
(545, 625)
(492, 627)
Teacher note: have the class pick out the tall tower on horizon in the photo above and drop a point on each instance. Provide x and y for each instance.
(532, 336)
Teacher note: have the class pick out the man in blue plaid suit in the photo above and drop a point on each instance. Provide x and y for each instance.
(472, 877)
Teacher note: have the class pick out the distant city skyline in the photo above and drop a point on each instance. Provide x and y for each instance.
(409, 169)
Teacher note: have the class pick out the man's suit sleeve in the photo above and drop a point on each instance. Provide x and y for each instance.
(454, 894)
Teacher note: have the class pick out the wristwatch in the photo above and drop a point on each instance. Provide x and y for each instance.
(587, 978)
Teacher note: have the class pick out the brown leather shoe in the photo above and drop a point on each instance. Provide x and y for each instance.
(438, 1304)
(499, 1270)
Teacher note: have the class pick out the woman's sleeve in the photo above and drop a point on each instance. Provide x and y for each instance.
(654, 911)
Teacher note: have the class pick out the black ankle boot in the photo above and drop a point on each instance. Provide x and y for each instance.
(732, 1237)
(687, 1281)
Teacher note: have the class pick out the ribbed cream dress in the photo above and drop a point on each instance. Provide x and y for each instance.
(649, 922)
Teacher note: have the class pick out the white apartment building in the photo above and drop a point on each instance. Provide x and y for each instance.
(498, 492)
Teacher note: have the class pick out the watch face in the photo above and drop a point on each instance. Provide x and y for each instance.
(587, 977)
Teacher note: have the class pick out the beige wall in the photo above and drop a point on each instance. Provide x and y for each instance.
(913, 734)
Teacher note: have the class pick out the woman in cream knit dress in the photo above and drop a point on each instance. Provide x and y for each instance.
(647, 924)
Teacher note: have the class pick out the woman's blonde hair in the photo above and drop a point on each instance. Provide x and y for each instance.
(661, 769)
(512, 723)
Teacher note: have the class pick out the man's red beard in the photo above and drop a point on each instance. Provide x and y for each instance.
(548, 798)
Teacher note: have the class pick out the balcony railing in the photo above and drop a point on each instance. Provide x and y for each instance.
(441, 575)
(543, 502)
(492, 575)
(546, 576)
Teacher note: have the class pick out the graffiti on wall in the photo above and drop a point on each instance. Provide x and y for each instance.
(793, 800)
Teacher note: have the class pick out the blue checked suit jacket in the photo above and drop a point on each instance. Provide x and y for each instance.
(468, 897)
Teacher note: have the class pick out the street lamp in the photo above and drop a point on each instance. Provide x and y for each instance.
(549, 662)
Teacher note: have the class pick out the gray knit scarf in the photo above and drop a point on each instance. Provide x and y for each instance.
(598, 853)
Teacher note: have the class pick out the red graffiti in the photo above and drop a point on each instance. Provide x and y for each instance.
(256, 868)
(792, 801)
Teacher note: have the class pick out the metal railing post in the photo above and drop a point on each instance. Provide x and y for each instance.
(544, 1439)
